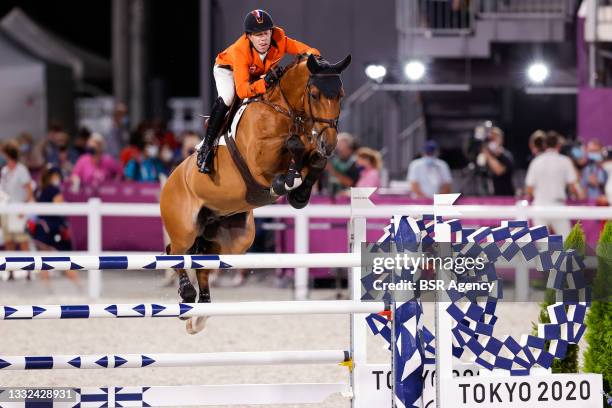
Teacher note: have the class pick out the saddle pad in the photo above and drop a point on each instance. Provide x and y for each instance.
(233, 127)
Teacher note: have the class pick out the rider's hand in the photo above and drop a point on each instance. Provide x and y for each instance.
(273, 76)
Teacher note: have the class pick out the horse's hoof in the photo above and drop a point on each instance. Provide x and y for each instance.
(196, 324)
(278, 185)
(299, 198)
(187, 293)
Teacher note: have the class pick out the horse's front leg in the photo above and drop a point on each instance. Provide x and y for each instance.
(299, 197)
(283, 183)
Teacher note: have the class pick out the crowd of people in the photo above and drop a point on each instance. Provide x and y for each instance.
(39, 170)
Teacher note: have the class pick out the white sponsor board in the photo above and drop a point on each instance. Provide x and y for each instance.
(475, 391)
(376, 380)
(542, 391)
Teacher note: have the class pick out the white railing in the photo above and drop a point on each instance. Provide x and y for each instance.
(95, 209)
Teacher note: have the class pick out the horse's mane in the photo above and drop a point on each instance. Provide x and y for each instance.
(298, 58)
(330, 84)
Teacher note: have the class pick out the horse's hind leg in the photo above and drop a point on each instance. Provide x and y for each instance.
(196, 324)
(181, 241)
(235, 235)
(186, 290)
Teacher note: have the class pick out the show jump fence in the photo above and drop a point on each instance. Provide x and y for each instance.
(362, 388)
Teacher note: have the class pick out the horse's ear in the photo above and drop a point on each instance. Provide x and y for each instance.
(341, 66)
(313, 64)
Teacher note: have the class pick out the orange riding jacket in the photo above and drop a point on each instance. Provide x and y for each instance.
(242, 58)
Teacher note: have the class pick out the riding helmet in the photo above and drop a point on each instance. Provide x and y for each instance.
(257, 21)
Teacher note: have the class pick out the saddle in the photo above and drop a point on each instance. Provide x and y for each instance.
(256, 194)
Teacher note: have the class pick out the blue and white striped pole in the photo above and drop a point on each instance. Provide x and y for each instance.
(143, 310)
(153, 262)
(102, 361)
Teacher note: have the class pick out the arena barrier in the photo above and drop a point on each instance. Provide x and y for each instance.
(371, 385)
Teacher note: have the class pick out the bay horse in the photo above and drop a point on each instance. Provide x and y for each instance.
(281, 147)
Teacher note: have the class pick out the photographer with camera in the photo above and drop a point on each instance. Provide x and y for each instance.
(497, 162)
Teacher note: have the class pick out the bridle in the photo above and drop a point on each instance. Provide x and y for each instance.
(300, 119)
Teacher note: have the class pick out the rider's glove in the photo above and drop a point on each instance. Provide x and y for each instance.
(273, 76)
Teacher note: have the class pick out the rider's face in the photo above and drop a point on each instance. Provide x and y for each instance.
(261, 41)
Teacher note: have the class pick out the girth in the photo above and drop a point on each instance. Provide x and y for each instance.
(256, 194)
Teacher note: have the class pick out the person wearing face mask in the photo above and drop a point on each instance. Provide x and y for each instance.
(51, 232)
(147, 167)
(593, 177)
(370, 162)
(26, 151)
(429, 175)
(95, 167)
(247, 68)
(342, 169)
(499, 164)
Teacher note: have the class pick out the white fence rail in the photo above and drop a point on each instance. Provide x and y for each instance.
(95, 209)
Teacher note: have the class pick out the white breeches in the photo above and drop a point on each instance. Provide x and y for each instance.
(224, 78)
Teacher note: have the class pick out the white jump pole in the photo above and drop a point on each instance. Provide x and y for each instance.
(142, 360)
(157, 262)
(154, 310)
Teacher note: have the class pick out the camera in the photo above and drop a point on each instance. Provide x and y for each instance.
(481, 136)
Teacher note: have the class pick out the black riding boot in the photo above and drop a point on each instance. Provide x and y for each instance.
(217, 115)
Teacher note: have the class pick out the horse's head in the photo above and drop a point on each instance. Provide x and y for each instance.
(322, 100)
(312, 90)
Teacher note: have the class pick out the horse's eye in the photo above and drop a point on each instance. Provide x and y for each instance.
(314, 96)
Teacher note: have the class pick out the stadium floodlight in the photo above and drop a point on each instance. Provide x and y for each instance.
(538, 72)
(376, 72)
(414, 70)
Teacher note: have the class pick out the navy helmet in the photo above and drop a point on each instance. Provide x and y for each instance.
(257, 21)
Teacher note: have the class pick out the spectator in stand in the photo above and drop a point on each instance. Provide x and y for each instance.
(578, 156)
(118, 134)
(146, 167)
(499, 163)
(607, 166)
(343, 170)
(61, 151)
(190, 141)
(95, 166)
(133, 150)
(65, 156)
(593, 177)
(16, 187)
(164, 135)
(548, 176)
(167, 157)
(370, 162)
(26, 151)
(429, 175)
(80, 142)
(46, 150)
(537, 143)
(51, 232)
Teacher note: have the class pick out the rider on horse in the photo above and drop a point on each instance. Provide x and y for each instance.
(247, 68)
